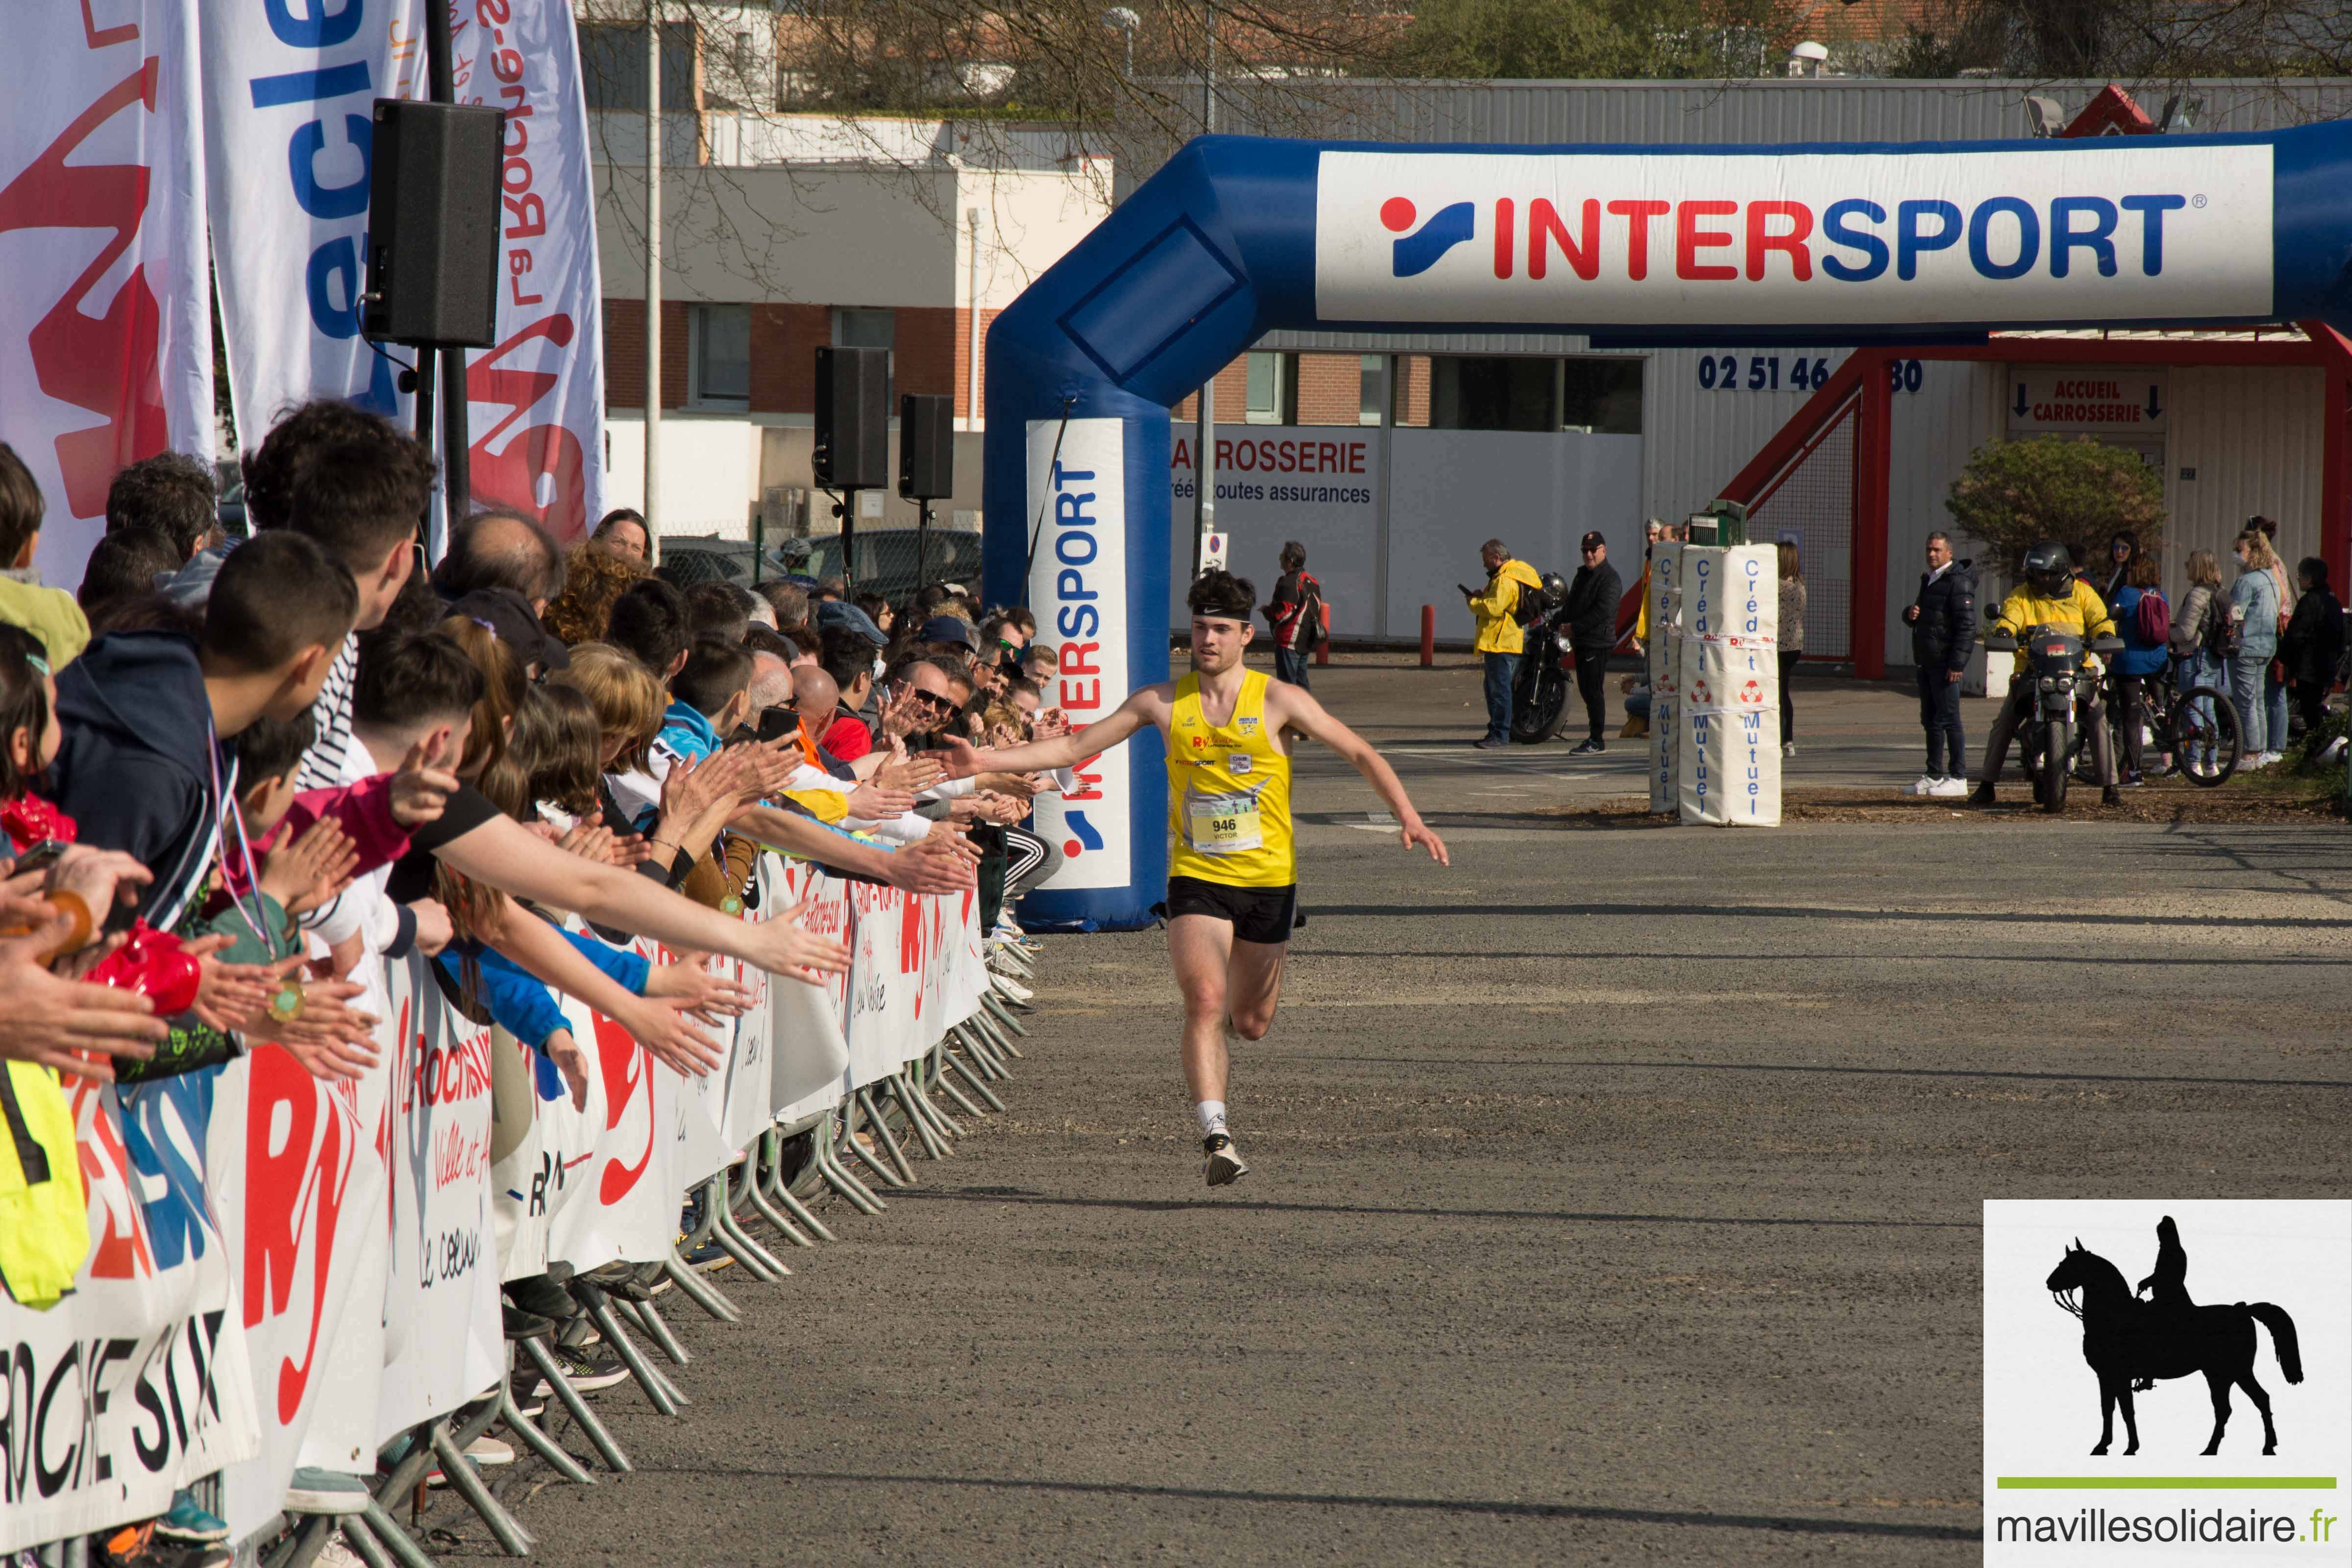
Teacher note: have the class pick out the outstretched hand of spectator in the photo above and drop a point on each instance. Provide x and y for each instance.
(876, 803)
(660, 1024)
(51, 1021)
(958, 758)
(902, 772)
(904, 714)
(782, 947)
(572, 1063)
(330, 1039)
(307, 873)
(420, 788)
(707, 996)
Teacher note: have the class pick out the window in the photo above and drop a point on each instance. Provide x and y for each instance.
(612, 67)
(1494, 394)
(1272, 396)
(1602, 396)
(867, 329)
(1369, 400)
(718, 356)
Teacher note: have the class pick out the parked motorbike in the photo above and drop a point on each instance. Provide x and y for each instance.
(2058, 684)
(1540, 692)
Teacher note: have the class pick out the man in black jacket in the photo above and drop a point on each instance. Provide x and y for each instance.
(1943, 620)
(1592, 632)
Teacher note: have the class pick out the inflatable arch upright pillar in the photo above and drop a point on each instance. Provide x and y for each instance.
(1821, 244)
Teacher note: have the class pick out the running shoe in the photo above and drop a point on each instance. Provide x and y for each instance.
(482, 1451)
(1787, 748)
(585, 1373)
(317, 1491)
(1948, 789)
(1223, 1164)
(186, 1521)
(1488, 743)
(1924, 784)
(1588, 749)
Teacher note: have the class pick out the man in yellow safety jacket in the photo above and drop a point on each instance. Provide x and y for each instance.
(1499, 636)
(2051, 596)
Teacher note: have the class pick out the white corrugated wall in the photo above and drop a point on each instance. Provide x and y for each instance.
(2254, 438)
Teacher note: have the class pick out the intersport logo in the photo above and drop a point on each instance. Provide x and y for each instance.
(1703, 238)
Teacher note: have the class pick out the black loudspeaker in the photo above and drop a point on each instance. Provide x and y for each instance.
(432, 225)
(926, 445)
(853, 418)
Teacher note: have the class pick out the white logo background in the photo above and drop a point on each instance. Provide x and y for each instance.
(2041, 1399)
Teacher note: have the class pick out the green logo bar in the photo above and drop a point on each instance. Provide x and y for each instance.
(2165, 1483)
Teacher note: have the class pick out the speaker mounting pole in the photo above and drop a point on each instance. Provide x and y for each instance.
(455, 440)
(922, 544)
(847, 507)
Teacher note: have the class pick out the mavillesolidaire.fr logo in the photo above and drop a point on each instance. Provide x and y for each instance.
(2168, 1381)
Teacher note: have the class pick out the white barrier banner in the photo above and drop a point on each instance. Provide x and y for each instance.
(809, 1022)
(136, 1383)
(626, 1200)
(299, 1185)
(536, 419)
(539, 1144)
(106, 322)
(444, 1286)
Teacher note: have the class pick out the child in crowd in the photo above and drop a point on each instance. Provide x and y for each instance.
(124, 564)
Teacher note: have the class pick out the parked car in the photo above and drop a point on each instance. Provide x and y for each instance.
(886, 559)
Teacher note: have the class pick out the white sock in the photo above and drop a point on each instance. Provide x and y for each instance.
(1212, 1113)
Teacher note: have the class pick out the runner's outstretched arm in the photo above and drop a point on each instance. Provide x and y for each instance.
(1303, 713)
(962, 759)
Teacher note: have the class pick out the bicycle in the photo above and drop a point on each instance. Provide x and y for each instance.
(2195, 733)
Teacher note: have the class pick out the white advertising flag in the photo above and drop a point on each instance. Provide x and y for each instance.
(106, 322)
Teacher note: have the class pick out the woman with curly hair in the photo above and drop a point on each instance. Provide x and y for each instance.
(594, 578)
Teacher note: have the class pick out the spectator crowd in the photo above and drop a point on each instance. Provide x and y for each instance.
(237, 775)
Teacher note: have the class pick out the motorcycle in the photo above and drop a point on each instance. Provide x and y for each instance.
(1540, 692)
(2058, 683)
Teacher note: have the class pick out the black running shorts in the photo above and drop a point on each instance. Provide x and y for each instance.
(1256, 914)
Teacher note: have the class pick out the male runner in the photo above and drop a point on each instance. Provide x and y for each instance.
(1232, 889)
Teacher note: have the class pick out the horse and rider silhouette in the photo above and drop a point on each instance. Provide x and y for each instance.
(2130, 1343)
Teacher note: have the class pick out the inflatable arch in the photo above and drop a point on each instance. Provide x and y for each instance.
(1818, 244)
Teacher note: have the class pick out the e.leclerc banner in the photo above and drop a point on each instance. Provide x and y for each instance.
(105, 323)
(290, 107)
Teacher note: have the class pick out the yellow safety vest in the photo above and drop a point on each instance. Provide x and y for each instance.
(44, 1213)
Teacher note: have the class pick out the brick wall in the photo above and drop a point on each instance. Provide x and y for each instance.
(926, 351)
(1412, 392)
(1330, 389)
(963, 360)
(1232, 394)
(624, 353)
(783, 356)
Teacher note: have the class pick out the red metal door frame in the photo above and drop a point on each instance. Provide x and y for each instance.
(1865, 374)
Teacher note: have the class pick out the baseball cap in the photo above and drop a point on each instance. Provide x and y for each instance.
(1593, 541)
(508, 614)
(948, 629)
(836, 613)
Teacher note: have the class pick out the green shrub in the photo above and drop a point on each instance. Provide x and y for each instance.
(2077, 491)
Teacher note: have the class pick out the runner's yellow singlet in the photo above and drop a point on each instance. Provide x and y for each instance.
(1228, 792)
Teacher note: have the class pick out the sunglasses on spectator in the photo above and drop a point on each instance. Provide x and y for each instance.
(932, 699)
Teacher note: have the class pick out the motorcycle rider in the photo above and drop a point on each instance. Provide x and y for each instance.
(2051, 596)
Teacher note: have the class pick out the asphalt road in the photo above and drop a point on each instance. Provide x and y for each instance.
(1616, 1197)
